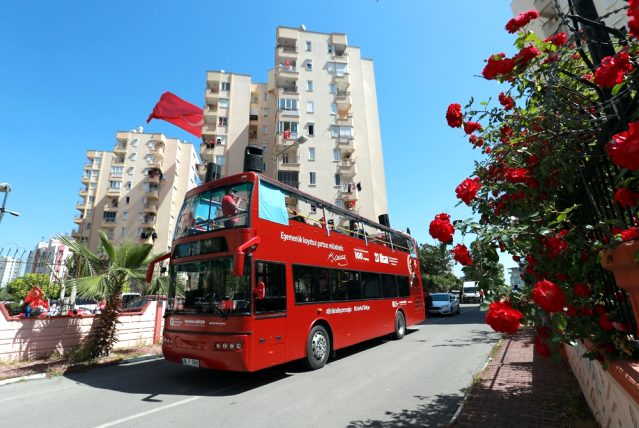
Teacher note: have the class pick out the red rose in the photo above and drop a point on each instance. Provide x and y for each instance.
(541, 348)
(525, 55)
(630, 234)
(633, 13)
(498, 66)
(470, 127)
(555, 245)
(516, 258)
(461, 255)
(599, 309)
(549, 296)
(467, 189)
(570, 311)
(605, 323)
(585, 312)
(454, 115)
(581, 290)
(503, 318)
(544, 331)
(521, 20)
(612, 70)
(626, 197)
(558, 39)
(441, 228)
(624, 151)
(506, 101)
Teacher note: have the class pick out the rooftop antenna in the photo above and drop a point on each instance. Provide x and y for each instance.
(302, 27)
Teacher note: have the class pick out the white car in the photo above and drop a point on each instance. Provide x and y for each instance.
(443, 304)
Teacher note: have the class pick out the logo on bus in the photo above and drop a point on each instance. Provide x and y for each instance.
(361, 255)
(380, 258)
(340, 259)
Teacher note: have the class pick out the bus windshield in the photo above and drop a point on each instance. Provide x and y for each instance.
(219, 208)
(208, 287)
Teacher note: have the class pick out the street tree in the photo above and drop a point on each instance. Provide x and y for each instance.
(436, 265)
(19, 287)
(106, 274)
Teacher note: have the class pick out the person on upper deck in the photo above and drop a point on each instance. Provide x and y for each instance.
(230, 211)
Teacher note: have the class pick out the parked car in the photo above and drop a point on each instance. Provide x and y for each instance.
(444, 304)
(138, 302)
(127, 297)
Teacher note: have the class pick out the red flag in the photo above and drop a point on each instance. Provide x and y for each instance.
(180, 113)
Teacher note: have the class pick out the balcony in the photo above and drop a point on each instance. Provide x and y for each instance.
(112, 191)
(346, 145)
(344, 119)
(287, 90)
(210, 118)
(207, 152)
(201, 170)
(85, 179)
(80, 205)
(75, 234)
(285, 52)
(150, 208)
(108, 223)
(210, 129)
(118, 160)
(342, 81)
(78, 219)
(148, 221)
(348, 192)
(153, 194)
(84, 191)
(347, 168)
(111, 207)
(288, 163)
(153, 178)
(120, 149)
(286, 72)
(283, 114)
(212, 95)
(285, 139)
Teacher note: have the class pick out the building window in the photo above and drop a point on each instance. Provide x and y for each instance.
(309, 65)
(336, 155)
(225, 86)
(130, 170)
(220, 160)
(128, 185)
(223, 103)
(332, 88)
(122, 231)
(87, 226)
(93, 186)
(338, 180)
(221, 140)
(114, 184)
(311, 129)
(333, 108)
(133, 156)
(309, 107)
(134, 142)
(150, 144)
(311, 153)
(264, 146)
(125, 215)
(91, 199)
(222, 121)
(312, 179)
(341, 131)
(117, 170)
(287, 104)
(265, 96)
(127, 200)
(309, 85)
(265, 111)
(291, 127)
(265, 130)
(109, 216)
(331, 48)
(308, 46)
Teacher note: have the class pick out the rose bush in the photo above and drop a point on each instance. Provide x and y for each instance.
(554, 147)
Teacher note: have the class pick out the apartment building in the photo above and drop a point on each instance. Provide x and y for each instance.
(10, 269)
(48, 258)
(316, 120)
(135, 192)
(550, 20)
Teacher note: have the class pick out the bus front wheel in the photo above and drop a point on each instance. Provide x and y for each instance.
(400, 326)
(318, 347)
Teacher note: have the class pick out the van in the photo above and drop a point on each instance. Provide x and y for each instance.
(471, 293)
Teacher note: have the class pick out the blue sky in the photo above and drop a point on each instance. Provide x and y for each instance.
(75, 72)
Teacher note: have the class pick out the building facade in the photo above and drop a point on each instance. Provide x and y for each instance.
(135, 192)
(49, 259)
(316, 120)
(10, 269)
(550, 20)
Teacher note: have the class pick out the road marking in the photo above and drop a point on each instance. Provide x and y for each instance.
(168, 406)
(22, 378)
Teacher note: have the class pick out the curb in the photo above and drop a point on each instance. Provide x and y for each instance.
(135, 360)
(461, 405)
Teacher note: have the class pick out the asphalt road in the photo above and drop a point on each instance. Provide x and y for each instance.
(418, 381)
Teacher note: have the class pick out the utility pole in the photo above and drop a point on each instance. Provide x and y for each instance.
(6, 188)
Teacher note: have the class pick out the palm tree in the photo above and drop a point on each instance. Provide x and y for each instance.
(105, 275)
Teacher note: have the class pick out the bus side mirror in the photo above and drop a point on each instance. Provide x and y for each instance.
(238, 264)
(260, 291)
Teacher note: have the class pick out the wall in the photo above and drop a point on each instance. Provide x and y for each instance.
(612, 394)
(32, 338)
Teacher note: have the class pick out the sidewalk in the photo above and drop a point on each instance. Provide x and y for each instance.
(519, 388)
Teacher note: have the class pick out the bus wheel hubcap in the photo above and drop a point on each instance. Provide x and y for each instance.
(319, 346)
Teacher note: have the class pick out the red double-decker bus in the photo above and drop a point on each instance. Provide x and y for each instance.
(261, 273)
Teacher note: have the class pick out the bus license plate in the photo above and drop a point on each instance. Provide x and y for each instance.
(190, 362)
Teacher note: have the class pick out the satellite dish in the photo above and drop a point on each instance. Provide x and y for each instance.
(140, 129)
(302, 27)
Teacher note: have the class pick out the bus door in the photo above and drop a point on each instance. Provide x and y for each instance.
(269, 328)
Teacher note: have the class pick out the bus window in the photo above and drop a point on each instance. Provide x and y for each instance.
(311, 284)
(403, 286)
(274, 278)
(353, 285)
(389, 286)
(339, 291)
(371, 285)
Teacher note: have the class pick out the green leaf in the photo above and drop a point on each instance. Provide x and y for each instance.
(616, 88)
(559, 322)
(484, 306)
(484, 103)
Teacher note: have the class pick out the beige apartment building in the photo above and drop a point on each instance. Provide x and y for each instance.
(316, 120)
(135, 192)
(550, 21)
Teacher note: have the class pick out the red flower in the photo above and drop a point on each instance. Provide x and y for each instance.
(599, 309)
(570, 311)
(555, 245)
(630, 234)
(521, 20)
(605, 323)
(525, 55)
(633, 13)
(470, 127)
(506, 101)
(558, 39)
(475, 140)
(544, 331)
(503, 318)
(454, 115)
(516, 258)
(612, 70)
(441, 228)
(541, 348)
(498, 66)
(581, 290)
(461, 255)
(549, 296)
(624, 151)
(467, 189)
(626, 197)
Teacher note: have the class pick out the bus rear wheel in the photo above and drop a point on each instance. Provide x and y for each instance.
(318, 347)
(400, 326)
